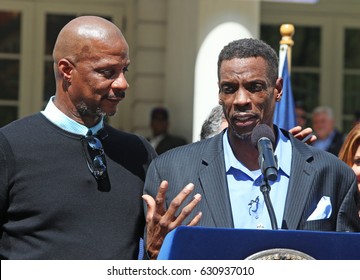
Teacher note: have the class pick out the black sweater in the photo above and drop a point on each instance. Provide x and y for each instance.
(52, 206)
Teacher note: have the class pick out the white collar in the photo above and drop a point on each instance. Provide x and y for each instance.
(283, 152)
(53, 114)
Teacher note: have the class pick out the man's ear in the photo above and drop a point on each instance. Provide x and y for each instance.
(65, 69)
(278, 90)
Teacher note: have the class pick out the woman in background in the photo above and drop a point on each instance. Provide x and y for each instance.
(350, 151)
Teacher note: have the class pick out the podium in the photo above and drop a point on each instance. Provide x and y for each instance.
(200, 243)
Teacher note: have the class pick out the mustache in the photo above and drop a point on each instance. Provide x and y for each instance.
(118, 94)
(244, 115)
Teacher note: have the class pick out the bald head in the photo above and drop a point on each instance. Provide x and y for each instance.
(91, 57)
(76, 38)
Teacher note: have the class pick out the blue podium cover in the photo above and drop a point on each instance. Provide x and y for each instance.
(200, 243)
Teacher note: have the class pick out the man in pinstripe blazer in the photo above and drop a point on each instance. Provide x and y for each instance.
(314, 190)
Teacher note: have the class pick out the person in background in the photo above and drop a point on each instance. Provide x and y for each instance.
(329, 138)
(313, 191)
(350, 151)
(300, 112)
(161, 139)
(214, 123)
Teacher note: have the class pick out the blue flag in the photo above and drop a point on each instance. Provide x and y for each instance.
(284, 116)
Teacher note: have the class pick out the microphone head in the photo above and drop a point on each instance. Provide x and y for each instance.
(260, 131)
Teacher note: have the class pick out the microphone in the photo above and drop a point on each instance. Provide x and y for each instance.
(263, 139)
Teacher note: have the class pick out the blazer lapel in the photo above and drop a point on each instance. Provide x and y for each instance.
(216, 194)
(300, 183)
(214, 184)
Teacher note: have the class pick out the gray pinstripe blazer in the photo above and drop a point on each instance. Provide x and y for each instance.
(314, 173)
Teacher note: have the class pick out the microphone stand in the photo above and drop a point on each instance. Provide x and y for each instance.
(265, 189)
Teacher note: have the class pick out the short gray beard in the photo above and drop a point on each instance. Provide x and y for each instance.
(243, 137)
(84, 111)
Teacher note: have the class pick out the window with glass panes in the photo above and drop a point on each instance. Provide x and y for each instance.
(351, 76)
(10, 22)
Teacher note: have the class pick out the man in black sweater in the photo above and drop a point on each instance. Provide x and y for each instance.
(70, 185)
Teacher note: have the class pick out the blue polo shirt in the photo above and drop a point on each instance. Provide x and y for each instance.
(247, 201)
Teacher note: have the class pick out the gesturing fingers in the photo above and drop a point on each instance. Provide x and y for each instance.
(195, 220)
(177, 202)
(188, 210)
(160, 198)
(150, 203)
(160, 221)
(295, 130)
(304, 135)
